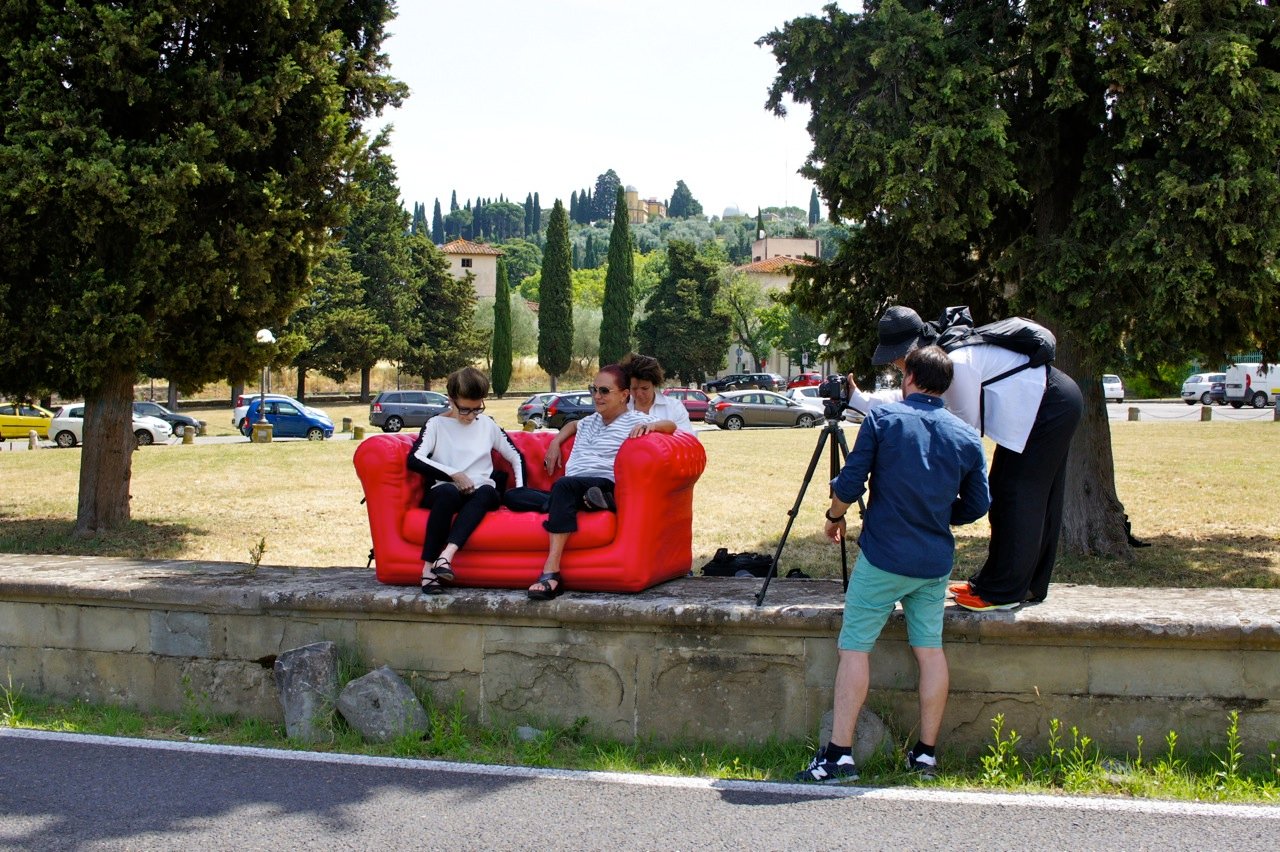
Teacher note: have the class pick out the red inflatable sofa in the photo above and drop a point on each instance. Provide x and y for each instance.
(648, 541)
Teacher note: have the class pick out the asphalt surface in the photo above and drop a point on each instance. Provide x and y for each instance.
(63, 791)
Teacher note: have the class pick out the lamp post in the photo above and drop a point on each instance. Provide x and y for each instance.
(267, 338)
(823, 341)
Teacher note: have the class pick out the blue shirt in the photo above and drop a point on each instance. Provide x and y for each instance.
(927, 473)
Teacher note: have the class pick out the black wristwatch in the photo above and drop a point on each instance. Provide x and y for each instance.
(837, 519)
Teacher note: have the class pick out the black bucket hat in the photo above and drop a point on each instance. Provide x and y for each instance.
(900, 330)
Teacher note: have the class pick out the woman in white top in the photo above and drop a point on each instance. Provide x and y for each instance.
(453, 452)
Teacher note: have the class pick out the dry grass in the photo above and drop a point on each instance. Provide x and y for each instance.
(1202, 493)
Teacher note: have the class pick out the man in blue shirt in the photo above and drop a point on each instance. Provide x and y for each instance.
(927, 473)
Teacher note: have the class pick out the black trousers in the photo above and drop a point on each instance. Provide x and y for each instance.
(445, 502)
(566, 499)
(1026, 500)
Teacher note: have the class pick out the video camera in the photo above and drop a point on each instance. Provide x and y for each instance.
(834, 391)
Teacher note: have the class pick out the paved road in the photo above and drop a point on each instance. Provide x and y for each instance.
(62, 791)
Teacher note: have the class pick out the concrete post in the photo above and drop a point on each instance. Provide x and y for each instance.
(261, 432)
(1275, 413)
(33, 440)
(203, 429)
(358, 433)
(188, 434)
(1133, 414)
(346, 424)
(1206, 414)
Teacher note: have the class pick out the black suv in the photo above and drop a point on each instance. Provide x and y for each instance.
(744, 381)
(394, 410)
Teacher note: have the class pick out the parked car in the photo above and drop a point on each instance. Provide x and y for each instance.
(735, 409)
(694, 401)
(19, 418)
(534, 409)
(808, 397)
(393, 410)
(566, 407)
(1112, 388)
(1252, 384)
(242, 406)
(804, 380)
(67, 427)
(735, 381)
(1200, 388)
(290, 419)
(177, 422)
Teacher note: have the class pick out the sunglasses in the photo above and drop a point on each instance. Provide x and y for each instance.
(595, 391)
(464, 410)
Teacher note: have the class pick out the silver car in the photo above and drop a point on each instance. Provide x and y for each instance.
(736, 409)
(394, 410)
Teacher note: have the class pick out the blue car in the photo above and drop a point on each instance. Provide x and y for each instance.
(290, 420)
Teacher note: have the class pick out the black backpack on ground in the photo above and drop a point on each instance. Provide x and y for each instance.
(955, 330)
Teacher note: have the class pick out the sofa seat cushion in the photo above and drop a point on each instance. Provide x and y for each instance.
(504, 530)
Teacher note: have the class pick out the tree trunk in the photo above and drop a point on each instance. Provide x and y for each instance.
(364, 383)
(237, 391)
(553, 384)
(302, 384)
(171, 402)
(106, 462)
(1093, 516)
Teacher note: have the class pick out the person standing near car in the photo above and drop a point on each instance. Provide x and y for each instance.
(1031, 415)
(454, 454)
(928, 473)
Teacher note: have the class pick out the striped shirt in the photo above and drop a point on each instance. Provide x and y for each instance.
(597, 444)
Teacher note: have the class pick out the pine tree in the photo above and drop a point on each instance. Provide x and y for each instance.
(683, 204)
(555, 301)
(437, 225)
(500, 372)
(815, 212)
(619, 288)
(606, 185)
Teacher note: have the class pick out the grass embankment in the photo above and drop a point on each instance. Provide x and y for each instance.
(1202, 493)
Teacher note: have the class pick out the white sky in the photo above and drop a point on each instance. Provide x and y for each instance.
(512, 96)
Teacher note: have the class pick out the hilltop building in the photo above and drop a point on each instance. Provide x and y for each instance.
(477, 258)
(640, 210)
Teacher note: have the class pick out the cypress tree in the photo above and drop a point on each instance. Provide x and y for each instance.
(759, 223)
(619, 283)
(437, 225)
(815, 212)
(555, 301)
(589, 259)
(453, 202)
(573, 206)
(528, 214)
(537, 214)
(500, 374)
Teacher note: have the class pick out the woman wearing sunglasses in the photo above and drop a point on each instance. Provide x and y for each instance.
(588, 479)
(453, 454)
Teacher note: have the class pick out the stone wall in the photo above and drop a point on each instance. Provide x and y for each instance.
(694, 659)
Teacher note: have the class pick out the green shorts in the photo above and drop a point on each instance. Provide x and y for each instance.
(871, 596)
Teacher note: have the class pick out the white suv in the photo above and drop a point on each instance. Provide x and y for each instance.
(67, 427)
(1112, 388)
(1198, 388)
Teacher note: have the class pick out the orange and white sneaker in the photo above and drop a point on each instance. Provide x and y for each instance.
(972, 602)
(954, 589)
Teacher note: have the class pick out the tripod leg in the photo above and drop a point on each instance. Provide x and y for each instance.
(791, 516)
(843, 448)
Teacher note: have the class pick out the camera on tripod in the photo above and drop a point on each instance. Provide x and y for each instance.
(834, 391)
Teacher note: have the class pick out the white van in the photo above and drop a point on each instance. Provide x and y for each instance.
(1252, 384)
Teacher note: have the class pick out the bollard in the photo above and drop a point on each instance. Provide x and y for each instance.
(261, 433)
(33, 440)
(1133, 414)
(357, 434)
(1206, 414)
(188, 434)
(200, 430)
(346, 424)
(530, 426)
(1275, 414)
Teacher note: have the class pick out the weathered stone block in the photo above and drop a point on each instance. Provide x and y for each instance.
(382, 707)
(998, 668)
(307, 678)
(441, 646)
(179, 634)
(560, 683)
(1200, 673)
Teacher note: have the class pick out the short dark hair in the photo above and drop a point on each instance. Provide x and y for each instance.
(467, 383)
(643, 367)
(619, 375)
(930, 368)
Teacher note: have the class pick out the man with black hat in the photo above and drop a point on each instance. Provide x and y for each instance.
(1031, 415)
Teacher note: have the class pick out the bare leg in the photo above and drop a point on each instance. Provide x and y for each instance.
(853, 678)
(935, 681)
(552, 565)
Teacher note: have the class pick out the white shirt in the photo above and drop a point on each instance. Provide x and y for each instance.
(1011, 403)
(667, 408)
(597, 444)
(454, 446)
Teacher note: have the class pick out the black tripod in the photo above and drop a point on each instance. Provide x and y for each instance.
(838, 451)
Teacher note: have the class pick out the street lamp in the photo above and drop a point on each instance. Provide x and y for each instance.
(265, 337)
(823, 341)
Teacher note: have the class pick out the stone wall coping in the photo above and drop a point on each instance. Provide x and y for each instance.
(1075, 615)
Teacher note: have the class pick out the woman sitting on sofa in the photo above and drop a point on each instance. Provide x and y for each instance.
(453, 454)
(588, 479)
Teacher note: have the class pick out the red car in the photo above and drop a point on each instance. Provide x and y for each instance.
(693, 400)
(804, 380)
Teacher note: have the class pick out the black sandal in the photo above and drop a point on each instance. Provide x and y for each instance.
(548, 592)
(443, 569)
(431, 585)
